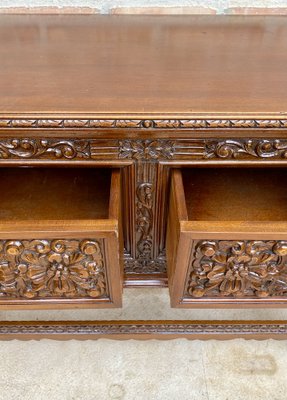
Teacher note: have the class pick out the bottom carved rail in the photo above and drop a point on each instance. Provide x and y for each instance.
(143, 330)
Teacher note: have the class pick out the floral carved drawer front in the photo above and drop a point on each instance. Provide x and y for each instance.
(220, 268)
(58, 268)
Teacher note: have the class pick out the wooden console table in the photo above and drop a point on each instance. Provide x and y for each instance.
(159, 111)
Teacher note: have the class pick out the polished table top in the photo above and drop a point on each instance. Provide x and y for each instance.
(143, 65)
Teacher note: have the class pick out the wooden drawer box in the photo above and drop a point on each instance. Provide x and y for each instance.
(227, 237)
(59, 237)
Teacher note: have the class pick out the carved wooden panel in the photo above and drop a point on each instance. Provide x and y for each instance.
(144, 260)
(248, 268)
(60, 268)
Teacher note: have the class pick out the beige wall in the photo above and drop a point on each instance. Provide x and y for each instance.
(147, 6)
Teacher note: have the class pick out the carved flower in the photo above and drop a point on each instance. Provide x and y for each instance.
(58, 268)
(146, 149)
(237, 269)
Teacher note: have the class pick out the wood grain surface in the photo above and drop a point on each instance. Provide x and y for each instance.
(144, 65)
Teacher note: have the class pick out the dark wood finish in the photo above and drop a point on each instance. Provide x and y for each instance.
(146, 94)
(231, 237)
(60, 238)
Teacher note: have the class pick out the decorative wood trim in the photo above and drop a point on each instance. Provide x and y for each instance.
(142, 150)
(145, 188)
(86, 330)
(199, 123)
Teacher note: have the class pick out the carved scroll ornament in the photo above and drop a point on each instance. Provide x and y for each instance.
(251, 148)
(44, 148)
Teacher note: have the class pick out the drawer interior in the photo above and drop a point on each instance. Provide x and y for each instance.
(241, 194)
(54, 193)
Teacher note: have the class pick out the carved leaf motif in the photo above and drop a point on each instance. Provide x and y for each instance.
(172, 123)
(193, 123)
(217, 123)
(42, 148)
(50, 123)
(23, 123)
(57, 268)
(238, 269)
(258, 148)
(243, 123)
(102, 123)
(76, 123)
(5, 123)
(268, 123)
(127, 123)
(138, 123)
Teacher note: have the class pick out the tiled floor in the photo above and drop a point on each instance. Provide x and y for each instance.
(135, 370)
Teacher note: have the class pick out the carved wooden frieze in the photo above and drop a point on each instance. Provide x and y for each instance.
(142, 150)
(211, 123)
(33, 269)
(237, 269)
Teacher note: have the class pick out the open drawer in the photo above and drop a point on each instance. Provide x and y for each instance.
(227, 237)
(60, 238)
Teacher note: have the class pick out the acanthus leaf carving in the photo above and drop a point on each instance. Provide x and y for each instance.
(44, 148)
(238, 269)
(33, 269)
(236, 148)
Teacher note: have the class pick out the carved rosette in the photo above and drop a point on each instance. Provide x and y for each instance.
(146, 149)
(238, 269)
(33, 269)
